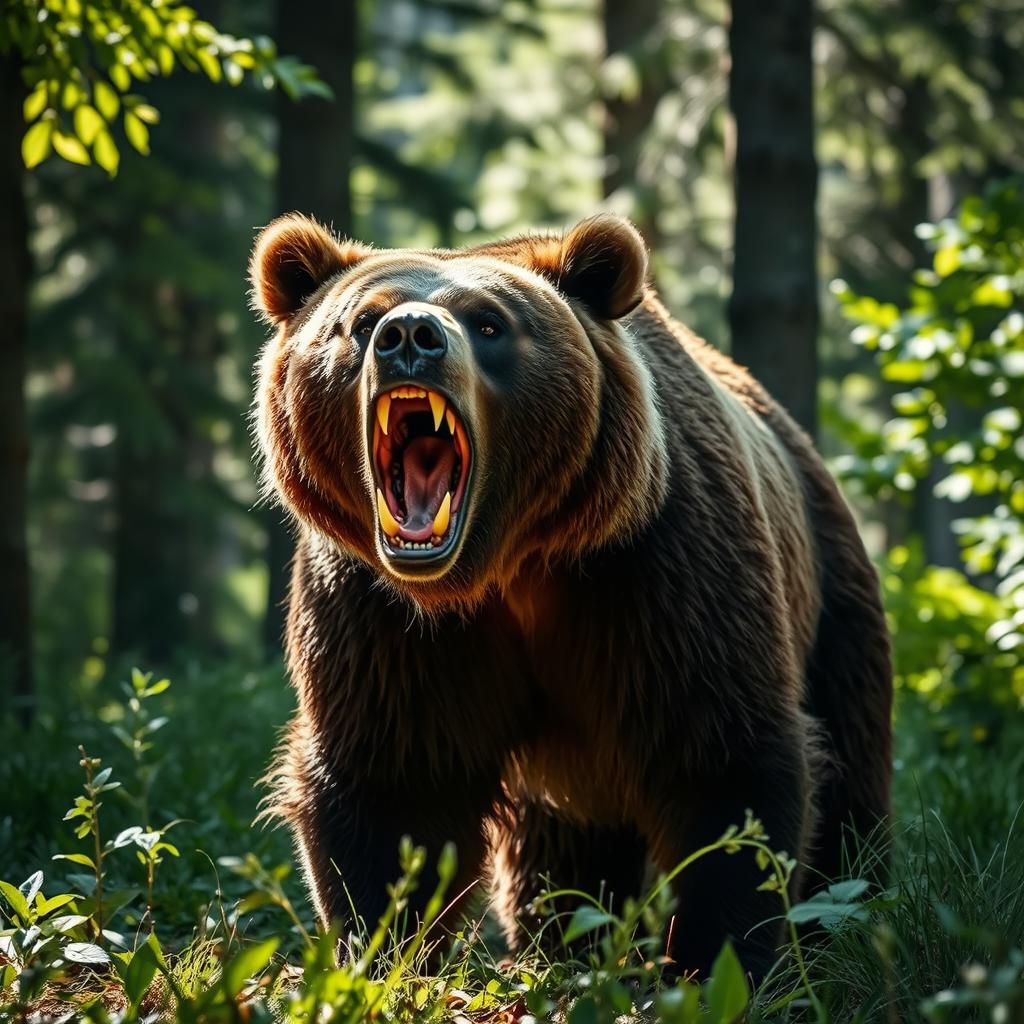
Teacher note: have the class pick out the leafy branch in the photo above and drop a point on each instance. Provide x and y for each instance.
(81, 59)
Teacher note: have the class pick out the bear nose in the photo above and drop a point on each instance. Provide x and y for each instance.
(412, 331)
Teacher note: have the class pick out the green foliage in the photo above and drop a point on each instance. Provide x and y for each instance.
(625, 953)
(476, 119)
(235, 939)
(82, 58)
(956, 353)
(943, 942)
(914, 99)
(944, 651)
(958, 346)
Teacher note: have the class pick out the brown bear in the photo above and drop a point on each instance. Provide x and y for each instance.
(570, 589)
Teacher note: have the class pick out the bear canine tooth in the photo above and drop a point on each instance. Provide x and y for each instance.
(440, 524)
(383, 411)
(450, 417)
(388, 523)
(437, 407)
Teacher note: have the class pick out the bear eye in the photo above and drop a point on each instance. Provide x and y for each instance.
(489, 326)
(364, 325)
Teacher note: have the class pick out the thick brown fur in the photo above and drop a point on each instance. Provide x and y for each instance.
(661, 614)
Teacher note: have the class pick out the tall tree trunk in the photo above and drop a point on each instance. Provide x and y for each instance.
(151, 573)
(627, 27)
(315, 142)
(15, 268)
(773, 312)
(163, 553)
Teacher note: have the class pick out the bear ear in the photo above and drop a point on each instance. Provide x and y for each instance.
(292, 257)
(603, 263)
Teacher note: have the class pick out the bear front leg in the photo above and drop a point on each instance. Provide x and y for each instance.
(350, 835)
(538, 850)
(718, 895)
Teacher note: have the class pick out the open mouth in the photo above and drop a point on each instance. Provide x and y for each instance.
(421, 464)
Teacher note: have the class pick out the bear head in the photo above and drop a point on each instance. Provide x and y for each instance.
(444, 415)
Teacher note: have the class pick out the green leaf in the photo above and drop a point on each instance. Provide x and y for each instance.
(209, 63)
(584, 1011)
(77, 858)
(828, 913)
(154, 944)
(253, 901)
(139, 974)
(35, 102)
(35, 145)
(120, 77)
(726, 992)
(44, 907)
(947, 260)
(71, 95)
(88, 123)
(85, 953)
(16, 901)
(150, 115)
(105, 151)
(127, 836)
(247, 964)
(447, 863)
(586, 919)
(165, 58)
(70, 148)
(106, 100)
(31, 886)
(65, 923)
(848, 891)
(137, 132)
(680, 1005)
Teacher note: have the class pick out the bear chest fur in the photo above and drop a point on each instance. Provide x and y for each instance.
(580, 754)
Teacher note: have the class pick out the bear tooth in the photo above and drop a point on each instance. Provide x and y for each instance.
(450, 416)
(437, 407)
(388, 523)
(383, 411)
(440, 524)
(461, 440)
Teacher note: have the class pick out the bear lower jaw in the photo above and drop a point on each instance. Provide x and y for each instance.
(421, 460)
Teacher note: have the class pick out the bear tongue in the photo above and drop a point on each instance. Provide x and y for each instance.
(427, 463)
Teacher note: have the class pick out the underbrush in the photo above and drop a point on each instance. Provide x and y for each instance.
(155, 899)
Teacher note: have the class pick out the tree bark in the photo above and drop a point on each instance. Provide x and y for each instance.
(315, 143)
(773, 312)
(150, 546)
(626, 28)
(15, 269)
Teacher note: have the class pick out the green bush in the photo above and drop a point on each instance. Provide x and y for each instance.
(956, 354)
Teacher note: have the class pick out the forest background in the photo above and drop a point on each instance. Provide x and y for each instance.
(831, 192)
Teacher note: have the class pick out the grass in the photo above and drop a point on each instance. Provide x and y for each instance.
(173, 907)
